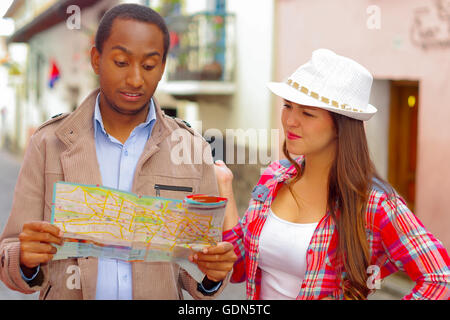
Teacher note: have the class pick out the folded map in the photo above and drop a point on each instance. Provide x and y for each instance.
(104, 222)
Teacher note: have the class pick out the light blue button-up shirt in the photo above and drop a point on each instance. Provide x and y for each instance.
(117, 164)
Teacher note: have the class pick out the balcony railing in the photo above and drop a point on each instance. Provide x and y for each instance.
(202, 47)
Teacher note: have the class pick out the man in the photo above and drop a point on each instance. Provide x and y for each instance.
(118, 137)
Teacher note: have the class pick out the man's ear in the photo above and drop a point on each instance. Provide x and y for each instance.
(95, 60)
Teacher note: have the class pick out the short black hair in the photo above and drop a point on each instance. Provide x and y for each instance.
(132, 12)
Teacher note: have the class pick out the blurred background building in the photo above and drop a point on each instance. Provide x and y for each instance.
(223, 52)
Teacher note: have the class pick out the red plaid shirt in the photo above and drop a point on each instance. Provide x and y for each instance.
(397, 241)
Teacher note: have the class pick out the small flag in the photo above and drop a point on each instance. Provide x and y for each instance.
(54, 74)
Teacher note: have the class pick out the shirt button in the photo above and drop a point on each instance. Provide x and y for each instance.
(303, 285)
(126, 153)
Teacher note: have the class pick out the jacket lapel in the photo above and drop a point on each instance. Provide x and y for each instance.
(159, 132)
(79, 160)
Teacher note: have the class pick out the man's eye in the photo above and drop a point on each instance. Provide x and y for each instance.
(148, 67)
(120, 63)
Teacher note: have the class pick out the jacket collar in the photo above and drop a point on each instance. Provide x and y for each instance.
(80, 122)
(98, 119)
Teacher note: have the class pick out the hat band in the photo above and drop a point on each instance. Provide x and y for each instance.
(315, 95)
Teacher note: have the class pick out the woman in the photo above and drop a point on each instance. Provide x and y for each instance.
(325, 225)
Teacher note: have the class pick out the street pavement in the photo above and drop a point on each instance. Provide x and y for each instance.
(392, 288)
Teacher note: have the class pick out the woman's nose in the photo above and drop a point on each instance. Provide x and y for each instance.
(293, 120)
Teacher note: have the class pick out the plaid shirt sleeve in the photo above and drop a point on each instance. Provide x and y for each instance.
(239, 233)
(414, 250)
(236, 237)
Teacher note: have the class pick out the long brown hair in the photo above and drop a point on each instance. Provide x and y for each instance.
(349, 183)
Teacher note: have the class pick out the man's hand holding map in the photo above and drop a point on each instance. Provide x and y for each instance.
(104, 222)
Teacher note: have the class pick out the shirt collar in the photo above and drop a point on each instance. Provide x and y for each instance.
(285, 172)
(98, 121)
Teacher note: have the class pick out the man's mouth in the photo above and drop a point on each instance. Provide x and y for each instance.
(131, 96)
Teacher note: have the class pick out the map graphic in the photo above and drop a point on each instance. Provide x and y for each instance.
(104, 222)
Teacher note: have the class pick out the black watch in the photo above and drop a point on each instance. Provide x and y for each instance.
(205, 284)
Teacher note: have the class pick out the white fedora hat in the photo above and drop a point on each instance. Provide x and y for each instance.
(331, 82)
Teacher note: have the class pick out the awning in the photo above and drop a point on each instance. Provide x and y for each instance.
(50, 17)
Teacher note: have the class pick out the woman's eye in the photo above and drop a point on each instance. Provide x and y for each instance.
(307, 114)
(120, 63)
(287, 106)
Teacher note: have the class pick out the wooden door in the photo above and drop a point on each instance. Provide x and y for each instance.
(403, 138)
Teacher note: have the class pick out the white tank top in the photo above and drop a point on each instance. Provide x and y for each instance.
(282, 257)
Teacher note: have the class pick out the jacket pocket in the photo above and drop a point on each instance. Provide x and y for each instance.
(169, 187)
(159, 187)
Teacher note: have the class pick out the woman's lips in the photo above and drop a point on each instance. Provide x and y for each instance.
(292, 136)
(129, 96)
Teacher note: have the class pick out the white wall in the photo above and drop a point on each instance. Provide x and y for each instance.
(193, 6)
(9, 86)
(254, 63)
(377, 128)
(7, 96)
(7, 103)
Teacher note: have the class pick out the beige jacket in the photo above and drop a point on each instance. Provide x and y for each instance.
(63, 148)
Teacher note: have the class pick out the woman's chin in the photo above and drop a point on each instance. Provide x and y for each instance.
(294, 149)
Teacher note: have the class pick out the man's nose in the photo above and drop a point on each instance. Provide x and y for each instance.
(134, 77)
